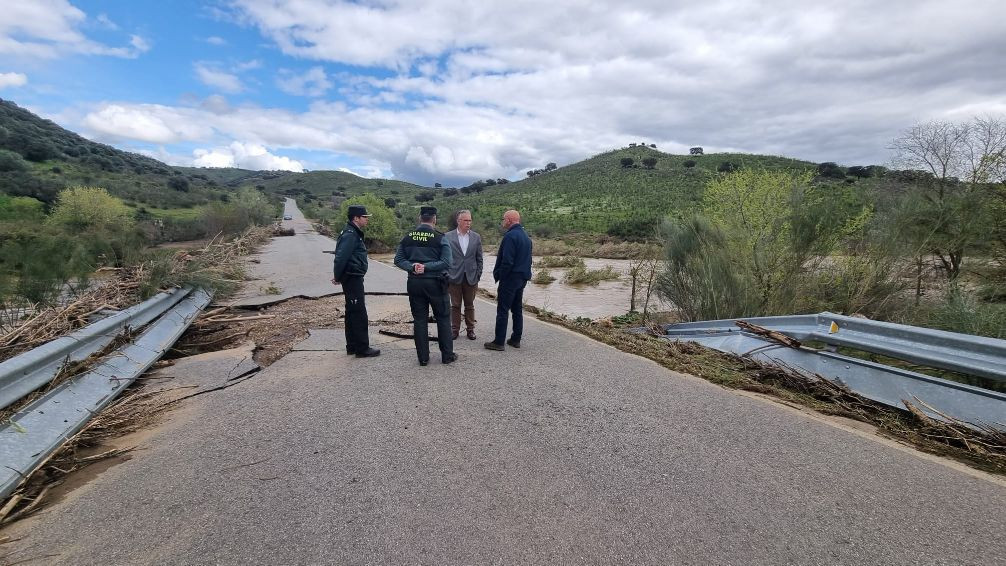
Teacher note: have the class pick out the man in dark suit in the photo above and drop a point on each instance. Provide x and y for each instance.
(464, 273)
(512, 272)
(425, 254)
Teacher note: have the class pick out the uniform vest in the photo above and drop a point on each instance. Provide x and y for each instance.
(423, 245)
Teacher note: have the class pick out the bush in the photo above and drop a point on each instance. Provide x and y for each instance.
(627, 162)
(81, 208)
(580, 275)
(962, 312)
(650, 162)
(727, 167)
(382, 226)
(542, 277)
(635, 229)
(11, 161)
(689, 163)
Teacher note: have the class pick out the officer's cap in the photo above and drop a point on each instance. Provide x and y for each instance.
(356, 210)
(428, 211)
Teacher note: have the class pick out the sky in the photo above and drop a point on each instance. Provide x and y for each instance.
(452, 91)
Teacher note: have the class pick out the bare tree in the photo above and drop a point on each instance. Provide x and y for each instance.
(962, 158)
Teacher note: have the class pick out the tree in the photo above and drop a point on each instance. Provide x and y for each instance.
(830, 169)
(390, 202)
(551, 167)
(959, 160)
(727, 167)
(180, 184)
(627, 162)
(437, 186)
(382, 226)
(650, 162)
(860, 171)
(689, 163)
(12, 161)
(695, 151)
(82, 208)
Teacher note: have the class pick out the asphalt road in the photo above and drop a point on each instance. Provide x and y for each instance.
(565, 451)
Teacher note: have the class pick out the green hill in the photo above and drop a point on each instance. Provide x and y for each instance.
(600, 195)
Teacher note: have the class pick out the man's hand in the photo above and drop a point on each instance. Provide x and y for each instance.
(418, 268)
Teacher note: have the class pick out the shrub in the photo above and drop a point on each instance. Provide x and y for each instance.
(11, 161)
(650, 162)
(80, 208)
(543, 277)
(830, 169)
(382, 226)
(580, 275)
(627, 162)
(689, 163)
(727, 167)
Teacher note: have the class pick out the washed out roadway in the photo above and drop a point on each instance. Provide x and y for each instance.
(565, 451)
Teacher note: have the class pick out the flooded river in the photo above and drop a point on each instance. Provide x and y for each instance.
(607, 298)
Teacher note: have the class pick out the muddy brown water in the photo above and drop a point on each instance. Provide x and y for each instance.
(607, 298)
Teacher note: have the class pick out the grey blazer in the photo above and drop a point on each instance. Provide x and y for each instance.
(466, 266)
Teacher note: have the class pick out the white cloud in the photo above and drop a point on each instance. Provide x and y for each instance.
(13, 79)
(312, 83)
(104, 21)
(216, 40)
(148, 123)
(244, 156)
(467, 90)
(49, 28)
(218, 79)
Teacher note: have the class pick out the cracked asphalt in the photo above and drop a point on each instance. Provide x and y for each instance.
(564, 451)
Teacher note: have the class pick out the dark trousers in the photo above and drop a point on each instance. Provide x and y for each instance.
(510, 300)
(424, 294)
(357, 334)
(462, 293)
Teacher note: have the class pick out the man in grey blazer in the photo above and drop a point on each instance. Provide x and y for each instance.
(464, 273)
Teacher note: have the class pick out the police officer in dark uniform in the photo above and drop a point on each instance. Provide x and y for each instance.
(350, 267)
(426, 255)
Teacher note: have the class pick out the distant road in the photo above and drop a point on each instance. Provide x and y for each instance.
(566, 451)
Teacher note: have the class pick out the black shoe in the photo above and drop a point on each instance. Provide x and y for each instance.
(514, 343)
(454, 335)
(424, 362)
(350, 352)
(368, 353)
(471, 333)
(450, 359)
(494, 346)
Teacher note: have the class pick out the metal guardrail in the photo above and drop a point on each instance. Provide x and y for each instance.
(963, 353)
(27, 372)
(884, 384)
(973, 355)
(45, 424)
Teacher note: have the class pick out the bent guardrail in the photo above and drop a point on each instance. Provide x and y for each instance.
(27, 372)
(963, 353)
(972, 355)
(42, 426)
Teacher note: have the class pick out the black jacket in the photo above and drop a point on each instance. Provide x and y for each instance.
(424, 245)
(514, 256)
(350, 253)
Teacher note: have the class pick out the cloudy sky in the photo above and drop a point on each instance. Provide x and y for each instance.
(453, 90)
